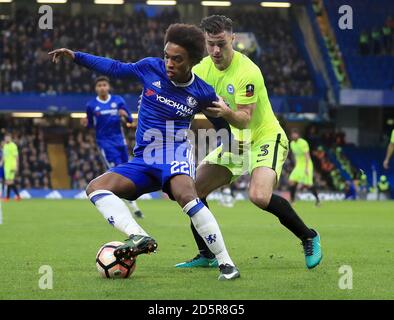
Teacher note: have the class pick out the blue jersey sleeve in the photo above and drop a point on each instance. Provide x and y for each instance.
(123, 106)
(218, 123)
(110, 67)
(89, 115)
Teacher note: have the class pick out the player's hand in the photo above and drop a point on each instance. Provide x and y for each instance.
(386, 164)
(129, 124)
(306, 172)
(63, 52)
(219, 109)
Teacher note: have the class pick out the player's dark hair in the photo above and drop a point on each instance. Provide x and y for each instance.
(216, 24)
(189, 37)
(101, 78)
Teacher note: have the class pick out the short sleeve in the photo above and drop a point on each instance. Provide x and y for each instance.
(121, 102)
(209, 97)
(198, 69)
(15, 150)
(248, 87)
(392, 136)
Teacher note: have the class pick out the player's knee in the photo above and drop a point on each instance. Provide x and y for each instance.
(183, 195)
(92, 186)
(185, 198)
(259, 199)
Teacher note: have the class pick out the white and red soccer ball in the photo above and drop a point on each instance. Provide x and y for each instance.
(109, 267)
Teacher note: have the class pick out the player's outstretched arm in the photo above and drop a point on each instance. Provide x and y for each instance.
(106, 66)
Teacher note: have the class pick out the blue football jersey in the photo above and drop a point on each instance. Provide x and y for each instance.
(166, 108)
(104, 117)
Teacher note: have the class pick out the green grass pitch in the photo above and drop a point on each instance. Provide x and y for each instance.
(66, 235)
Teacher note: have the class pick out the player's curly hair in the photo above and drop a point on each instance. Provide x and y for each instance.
(216, 24)
(189, 37)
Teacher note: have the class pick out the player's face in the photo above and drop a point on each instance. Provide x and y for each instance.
(7, 138)
(102, 88)
(178, 63)
(220, 48)
(294, 136)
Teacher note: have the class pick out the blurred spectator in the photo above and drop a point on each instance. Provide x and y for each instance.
(376, 37)
(363, 187)
(364, 44)
(387, 35)
(350, 191)
(378, 40)
(84, 160)
(383, 188)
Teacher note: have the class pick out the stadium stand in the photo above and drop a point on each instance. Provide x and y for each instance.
(34, 165)
(284, 69)
(25, 65)
(84, 160)
(375, 71)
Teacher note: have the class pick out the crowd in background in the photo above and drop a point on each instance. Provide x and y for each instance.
(379, 40)
(25, 65)
(24, 48)
(84, 159)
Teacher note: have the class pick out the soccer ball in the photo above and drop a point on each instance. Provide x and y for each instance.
(109, 267)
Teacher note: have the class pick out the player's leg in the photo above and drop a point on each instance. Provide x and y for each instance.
(311, 186)
(106, 191)
(292, 188)
(226, 197)
(123, 157)
(9, 175)
(183, 191)
(16, 191)
(105, 155)
(113, 156)
(293, 183)
(261, 194)
(7, 192)
(135, 210)
(204, 186)
(313, 190)
(265, 170)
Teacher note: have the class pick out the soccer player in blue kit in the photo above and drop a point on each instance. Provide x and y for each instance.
(105, 114)
(172, 96)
